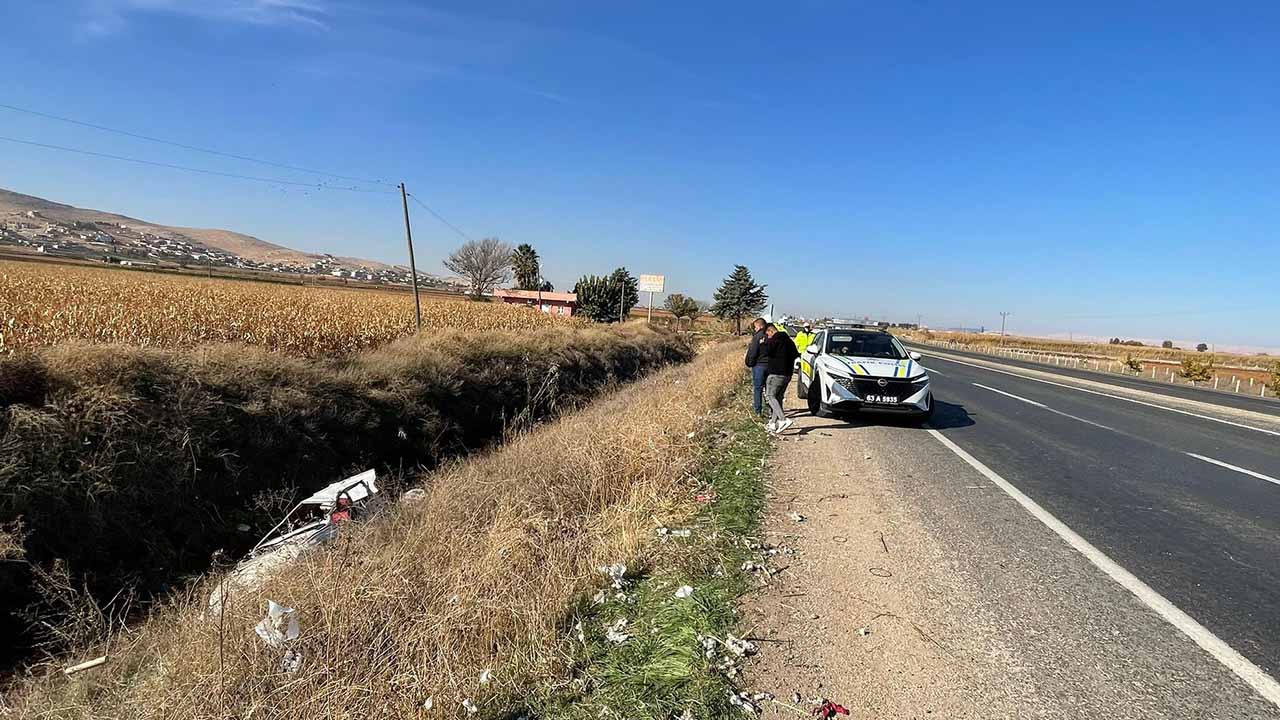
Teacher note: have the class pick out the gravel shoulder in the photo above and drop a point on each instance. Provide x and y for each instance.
(916, 589)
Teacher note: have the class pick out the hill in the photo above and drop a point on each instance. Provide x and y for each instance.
(40, 223)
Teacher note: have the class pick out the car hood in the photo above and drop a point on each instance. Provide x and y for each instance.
(877, 367)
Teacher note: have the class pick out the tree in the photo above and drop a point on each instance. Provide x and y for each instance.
(739, 297)
(1197, 370)
(484, 263)
(527, 268)
(683, 307)
(546, 286)
(1167, 344)
(608, 298)
(1201, 347)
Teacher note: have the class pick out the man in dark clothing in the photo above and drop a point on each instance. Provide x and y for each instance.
(759, 365)
(780, 351)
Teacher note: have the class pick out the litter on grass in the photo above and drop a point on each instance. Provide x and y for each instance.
(279, 626)
(617, 574)
(616, 632)
(829, 710)
(486, 675)
(796, 517)
(469, 706)
(683, 592)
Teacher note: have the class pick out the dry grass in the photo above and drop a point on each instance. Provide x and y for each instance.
(481, 573)
(156, 456)
(1081, 349)
(45, 304)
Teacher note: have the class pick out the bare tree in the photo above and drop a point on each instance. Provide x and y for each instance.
(484, 263)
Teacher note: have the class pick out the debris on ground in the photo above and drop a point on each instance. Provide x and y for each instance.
(864, 631)
(469, 706)
(617, 574)
(617, 632)
(683, 592)
(796, 517)
(86, 665)
(279, 626)
(486, 675)
(829, 709)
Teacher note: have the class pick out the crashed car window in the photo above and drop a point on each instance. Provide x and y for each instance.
(874, 345)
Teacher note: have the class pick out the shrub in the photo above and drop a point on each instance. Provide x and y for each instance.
(1274, 385)
(1133, 363)
(1196, 369)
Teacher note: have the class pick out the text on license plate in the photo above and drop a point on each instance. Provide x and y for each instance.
(881, 399)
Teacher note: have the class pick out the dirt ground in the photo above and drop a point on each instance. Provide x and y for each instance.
(864, 612)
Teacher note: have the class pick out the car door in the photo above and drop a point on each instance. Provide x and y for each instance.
(810, 354)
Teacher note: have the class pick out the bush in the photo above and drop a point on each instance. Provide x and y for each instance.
(1274, 385)
(1196, 369)
(1133, 363)
(154, 456)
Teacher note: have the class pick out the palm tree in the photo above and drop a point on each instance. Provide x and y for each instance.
(525, 265)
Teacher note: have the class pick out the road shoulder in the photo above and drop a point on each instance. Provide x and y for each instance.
(917, 589)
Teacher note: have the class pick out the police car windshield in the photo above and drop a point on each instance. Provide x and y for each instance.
(857, 344)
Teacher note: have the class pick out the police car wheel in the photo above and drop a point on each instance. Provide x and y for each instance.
(928, 414)
(817, 408)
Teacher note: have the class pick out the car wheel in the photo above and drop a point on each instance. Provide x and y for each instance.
(817, 408)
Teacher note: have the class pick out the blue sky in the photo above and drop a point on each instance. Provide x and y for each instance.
(1095, 168)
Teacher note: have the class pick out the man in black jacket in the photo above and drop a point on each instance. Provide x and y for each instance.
(780, 351)
(759, 365)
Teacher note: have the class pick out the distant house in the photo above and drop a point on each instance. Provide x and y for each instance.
(552, 303)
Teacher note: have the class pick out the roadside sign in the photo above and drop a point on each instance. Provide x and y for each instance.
(652, 283)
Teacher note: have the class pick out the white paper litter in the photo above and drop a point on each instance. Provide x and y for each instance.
(617, 632)
(684, 591)
(617, 573)
(469, 706)
(279, 626)
(486, 675)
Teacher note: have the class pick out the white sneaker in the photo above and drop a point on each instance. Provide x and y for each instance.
(770, 427)
(782, 426)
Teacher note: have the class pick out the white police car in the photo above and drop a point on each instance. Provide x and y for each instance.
(857, 368)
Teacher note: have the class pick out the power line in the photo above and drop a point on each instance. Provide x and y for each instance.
(187, 168)
(195, 148)
(437, 216)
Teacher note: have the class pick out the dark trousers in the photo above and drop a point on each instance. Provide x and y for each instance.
(758, 374)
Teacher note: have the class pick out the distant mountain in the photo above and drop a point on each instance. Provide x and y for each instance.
(16, 208)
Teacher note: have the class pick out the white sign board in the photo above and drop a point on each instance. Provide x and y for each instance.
(652, 283)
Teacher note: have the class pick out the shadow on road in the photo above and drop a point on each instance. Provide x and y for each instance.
(945, 415)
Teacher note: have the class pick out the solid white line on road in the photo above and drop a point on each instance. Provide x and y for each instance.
(1229, 466)
(1042, 406)
(933, 372)
(1256, 677)
(1114, 397)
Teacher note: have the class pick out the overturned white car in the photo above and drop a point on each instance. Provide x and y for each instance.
(314, 521)
(855, 368)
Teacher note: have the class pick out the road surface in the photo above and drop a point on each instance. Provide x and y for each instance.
(1118, 554)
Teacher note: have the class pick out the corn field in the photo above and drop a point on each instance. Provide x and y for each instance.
(43, 304)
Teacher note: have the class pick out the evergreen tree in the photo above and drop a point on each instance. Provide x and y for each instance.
(602, 298)
(739, 297)
(526, 267)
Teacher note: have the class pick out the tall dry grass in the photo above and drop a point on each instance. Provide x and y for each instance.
(132, 466)
(1084, 349)
(479, 574)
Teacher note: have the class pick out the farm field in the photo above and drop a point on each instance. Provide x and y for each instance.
(47, 304)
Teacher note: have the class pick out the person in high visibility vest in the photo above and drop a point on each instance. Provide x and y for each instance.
(804, 337)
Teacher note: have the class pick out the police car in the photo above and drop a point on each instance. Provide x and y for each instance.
(848, 368)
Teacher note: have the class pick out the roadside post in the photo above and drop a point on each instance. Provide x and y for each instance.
(652, 284)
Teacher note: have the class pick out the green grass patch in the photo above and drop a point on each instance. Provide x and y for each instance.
(663, 670)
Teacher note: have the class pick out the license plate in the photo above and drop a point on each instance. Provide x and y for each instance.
(881, 399)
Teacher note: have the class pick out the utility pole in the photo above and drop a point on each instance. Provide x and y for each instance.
(1003, 317)
(413, 268)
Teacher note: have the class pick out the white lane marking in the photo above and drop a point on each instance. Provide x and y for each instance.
(1015, 397)
(1256, 677)
(1114, 397)
(1229, 466)
(934, 372)
(1042, 406)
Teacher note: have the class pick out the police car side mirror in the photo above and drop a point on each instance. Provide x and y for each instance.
(914, 355)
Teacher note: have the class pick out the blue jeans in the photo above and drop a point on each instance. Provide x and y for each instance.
(758, 375)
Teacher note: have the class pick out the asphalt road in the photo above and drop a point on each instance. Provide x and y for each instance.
(1251, 401)
(1189, 506)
